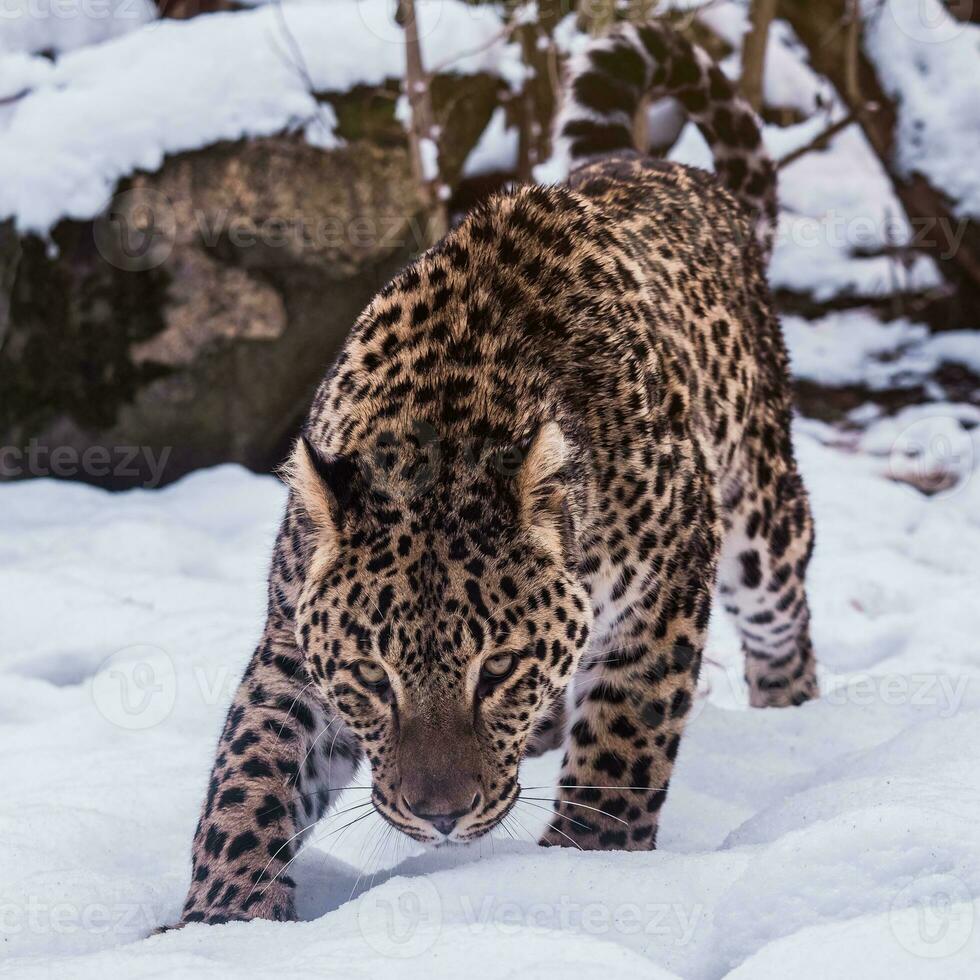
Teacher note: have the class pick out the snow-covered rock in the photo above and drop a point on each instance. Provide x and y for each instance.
(107, 110)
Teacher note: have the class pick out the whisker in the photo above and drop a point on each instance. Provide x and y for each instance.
(510, 830)
(562, 832)
(385, 848)
(583, 786)
(585, 806)
(290, 711)
(302, 830)
(374, 862)
(285, 843)
(341, 830)
(315, 792)
(347, 809)
(333, 745)
(530, 836)
(299, 768)
(336, 830)
(553, 813)
(373, 833)
(503, 825)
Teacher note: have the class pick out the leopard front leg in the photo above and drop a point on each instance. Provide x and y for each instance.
(631, 702)
(281, 761)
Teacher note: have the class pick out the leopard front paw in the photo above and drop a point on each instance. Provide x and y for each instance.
(237, 901)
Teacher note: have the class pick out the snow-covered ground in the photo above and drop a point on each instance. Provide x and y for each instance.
(838, 839)
(810, 842)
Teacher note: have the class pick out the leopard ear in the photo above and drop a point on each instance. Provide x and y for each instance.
(323, 484)
(542, 492)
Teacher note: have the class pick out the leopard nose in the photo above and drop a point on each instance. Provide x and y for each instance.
(445, 823)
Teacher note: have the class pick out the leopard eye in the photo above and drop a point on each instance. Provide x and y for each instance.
(494, 671)
(371, 674)
(499, 666)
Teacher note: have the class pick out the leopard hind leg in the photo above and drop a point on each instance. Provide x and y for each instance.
(761, 582)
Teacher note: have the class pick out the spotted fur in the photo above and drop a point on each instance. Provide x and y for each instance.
(611, 79)
(543, 445)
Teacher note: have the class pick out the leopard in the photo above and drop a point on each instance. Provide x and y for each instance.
(545, 449)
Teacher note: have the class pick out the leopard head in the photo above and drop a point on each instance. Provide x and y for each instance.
(442, 616)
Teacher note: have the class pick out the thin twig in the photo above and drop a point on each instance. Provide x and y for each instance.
(298, 62)
(501, 35)
(816, 143)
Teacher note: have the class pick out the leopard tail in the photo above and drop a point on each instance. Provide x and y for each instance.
(608, 83)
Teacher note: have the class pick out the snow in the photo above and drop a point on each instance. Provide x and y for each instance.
(788, 81)
(961, 346)
(55, 26)
(793, 843)
(99, 113)
(102, 112)
(922, 55)
(834, 202)
(856, 347)
(496, 150)
(835, 205)
(933, 446)
(807, 843)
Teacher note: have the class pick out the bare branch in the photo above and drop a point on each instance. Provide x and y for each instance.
(819, 141)
(423, 135)
(754, 43)
(953, 242)
(11, 99)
